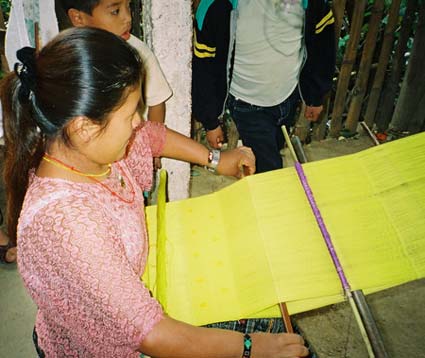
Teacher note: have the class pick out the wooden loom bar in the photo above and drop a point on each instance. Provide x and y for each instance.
(356, 299)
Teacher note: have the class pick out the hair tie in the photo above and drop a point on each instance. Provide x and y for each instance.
(26, 71)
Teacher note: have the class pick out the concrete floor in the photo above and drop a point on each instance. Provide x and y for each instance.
(17, 315)
(399, 312)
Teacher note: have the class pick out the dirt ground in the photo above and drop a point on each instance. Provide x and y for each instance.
(399, 312)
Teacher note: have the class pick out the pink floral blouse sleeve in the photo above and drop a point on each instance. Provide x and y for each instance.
(148, 143)
(75, 266)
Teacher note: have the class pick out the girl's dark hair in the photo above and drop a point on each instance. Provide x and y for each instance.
(82, 72)
(86, 6)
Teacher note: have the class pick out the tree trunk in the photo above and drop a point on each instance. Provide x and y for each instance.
(388, 95)
(410, 108)
(364, 69)
(384, 57)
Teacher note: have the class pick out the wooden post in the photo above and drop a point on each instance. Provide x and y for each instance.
(364, 69)
(168, 31)
(347, 66)
(384, 57)
(409, 113)
(386, 105)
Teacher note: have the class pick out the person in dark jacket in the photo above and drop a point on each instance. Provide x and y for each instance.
(260, 58)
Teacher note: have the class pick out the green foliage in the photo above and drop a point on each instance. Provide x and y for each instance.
(5, 7)
(345, 36)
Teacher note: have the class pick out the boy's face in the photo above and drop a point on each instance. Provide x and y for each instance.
(110, 15)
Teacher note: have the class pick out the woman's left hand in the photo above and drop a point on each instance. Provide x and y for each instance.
(237, 162)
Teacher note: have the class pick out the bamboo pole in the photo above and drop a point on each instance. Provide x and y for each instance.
(338, 7)
(386, 105)
(365, 321)
(364, 68)
(347, 66)
(384, 58)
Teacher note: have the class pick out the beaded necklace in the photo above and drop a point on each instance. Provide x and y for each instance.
(59, 164)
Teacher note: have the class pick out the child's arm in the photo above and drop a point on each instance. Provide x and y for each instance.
(157, 113)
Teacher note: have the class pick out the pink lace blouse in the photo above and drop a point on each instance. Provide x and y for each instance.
(81, 254)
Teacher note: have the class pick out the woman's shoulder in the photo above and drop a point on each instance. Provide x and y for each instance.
(48, 196)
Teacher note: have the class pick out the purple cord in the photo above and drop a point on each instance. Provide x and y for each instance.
(322, 226)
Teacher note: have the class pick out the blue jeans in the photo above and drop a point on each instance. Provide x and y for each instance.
(260, 128)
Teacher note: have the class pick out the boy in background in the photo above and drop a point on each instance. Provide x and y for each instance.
(115, 16)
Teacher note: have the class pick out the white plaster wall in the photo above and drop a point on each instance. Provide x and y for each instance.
(168, 31)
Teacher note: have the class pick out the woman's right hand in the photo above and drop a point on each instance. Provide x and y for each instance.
(280, 345)
(170, 338)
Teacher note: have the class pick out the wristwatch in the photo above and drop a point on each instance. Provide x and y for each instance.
(213, 159)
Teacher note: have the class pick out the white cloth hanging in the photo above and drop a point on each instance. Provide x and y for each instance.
(20, 30)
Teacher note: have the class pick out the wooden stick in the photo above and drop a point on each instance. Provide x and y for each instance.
(370, 134)
(37, 36)
(285, 317)
(363, 316)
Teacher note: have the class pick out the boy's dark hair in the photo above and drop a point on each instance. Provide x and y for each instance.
(86, 6)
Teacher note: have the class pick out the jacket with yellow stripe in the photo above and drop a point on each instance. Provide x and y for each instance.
(214, 30)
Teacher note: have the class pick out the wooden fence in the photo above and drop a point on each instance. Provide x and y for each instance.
(375, 81)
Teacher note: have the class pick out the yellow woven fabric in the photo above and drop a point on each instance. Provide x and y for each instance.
(238, 252)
